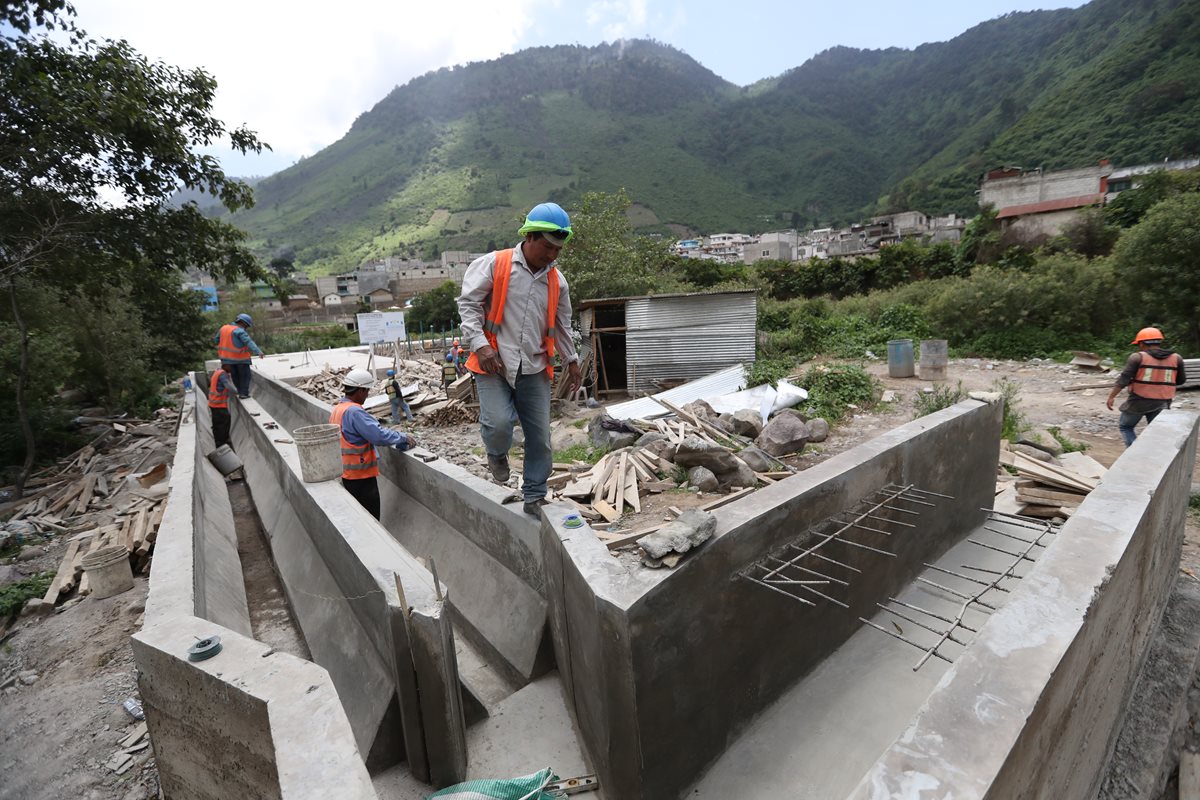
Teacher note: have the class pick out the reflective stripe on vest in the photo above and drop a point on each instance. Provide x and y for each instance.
(494, 321)
(229, 350)
(218, 397)
(1155, 377)
(358, 460)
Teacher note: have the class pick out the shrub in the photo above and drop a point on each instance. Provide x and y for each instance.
(925, 403)
(833, 388)
(1014, 421)
(769, 370)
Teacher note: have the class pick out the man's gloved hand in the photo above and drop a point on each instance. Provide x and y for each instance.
(489, 360)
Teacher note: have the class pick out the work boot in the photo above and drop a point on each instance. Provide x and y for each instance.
(499, 467)
(532, 507)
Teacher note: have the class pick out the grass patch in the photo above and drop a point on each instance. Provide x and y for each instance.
(925, 403)
(1068, 445)
(834, 388)
(14, 595)
(580, 452)
(768, 369)
(579, 423)
(1014, 421)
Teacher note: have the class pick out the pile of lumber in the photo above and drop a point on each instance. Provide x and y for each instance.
(463, 390)
(109, 492)
(1052, 489)
(448, 412)
(562, 379)
(327, 386)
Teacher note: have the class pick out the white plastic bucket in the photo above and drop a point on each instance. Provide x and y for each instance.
(225, 460)
(320, 452)
(933, 360)
(108, 571)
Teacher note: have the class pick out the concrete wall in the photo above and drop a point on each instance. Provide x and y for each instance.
(357, 595)
(483, 549)
(664, 668)
(1035, 187)
(1057, 680)
(243, 724)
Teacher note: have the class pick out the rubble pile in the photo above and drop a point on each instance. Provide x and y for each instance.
(111, 492)
(420, 383)
(1048, 485)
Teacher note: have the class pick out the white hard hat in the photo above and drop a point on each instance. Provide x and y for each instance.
(358, 379)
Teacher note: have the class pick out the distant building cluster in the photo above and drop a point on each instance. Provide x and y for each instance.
(792, 245)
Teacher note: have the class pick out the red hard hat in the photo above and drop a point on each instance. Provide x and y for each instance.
(1148, 335)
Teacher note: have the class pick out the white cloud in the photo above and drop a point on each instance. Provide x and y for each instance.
(299, 73)
(617, 19)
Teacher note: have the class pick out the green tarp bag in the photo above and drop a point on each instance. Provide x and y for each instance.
(528, 787)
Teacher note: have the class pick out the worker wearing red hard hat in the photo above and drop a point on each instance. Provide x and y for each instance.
(1152, 373)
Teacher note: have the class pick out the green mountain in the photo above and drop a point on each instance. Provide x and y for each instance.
(452, 159)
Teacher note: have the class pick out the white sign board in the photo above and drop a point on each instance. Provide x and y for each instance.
(380, 326)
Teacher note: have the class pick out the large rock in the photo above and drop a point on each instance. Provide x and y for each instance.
(1033, 452)
(691, 529)
(818, 430)
(568, 436)
(742, 476)
(783, 436)
(10, 575)
(701, 410)
(747, 422)
(724, 422)
(662, 449)
(757, 460)
(696, 452)
(649, 438)
(703, 479)
(611, 434)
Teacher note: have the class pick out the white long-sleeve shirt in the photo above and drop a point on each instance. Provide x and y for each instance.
(521, 340)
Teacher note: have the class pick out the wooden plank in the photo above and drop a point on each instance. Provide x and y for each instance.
(619, 502)
(1038, 470)
(605, 510)
(85, 495)
(580, 488)
(631, 491)
(69, 494)
(64, 569)
(137, 534)
(659, 486)
(1066, 474)
(630, 538)
(1042, 493)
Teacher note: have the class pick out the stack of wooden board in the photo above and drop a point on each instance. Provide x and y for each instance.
(1049, 490)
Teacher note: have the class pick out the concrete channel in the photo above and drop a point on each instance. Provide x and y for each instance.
(536, 648)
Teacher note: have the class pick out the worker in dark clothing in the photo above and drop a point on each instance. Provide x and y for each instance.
(1152, 373)
(218, 405)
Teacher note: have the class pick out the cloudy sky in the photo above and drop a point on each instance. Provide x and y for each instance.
(299, 72)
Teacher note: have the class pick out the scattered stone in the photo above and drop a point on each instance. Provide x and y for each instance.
(703, 478)
(986, 397)
(649, 438)
(9, 574)
(29, 553)
(888, 396)
(692, 529)
(724, 422)
(671, 560)
(702, 410)
(818, 430)
(1032, 452)
(742, 476)
(696, 452)
(663, 449)
(35, 605)
(611, 434)
(747, 422)
(1044, 441)
(28, 677)
(756, 459)
(783, 435)
(568, 436)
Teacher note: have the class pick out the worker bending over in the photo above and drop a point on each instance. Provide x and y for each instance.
(1152, 373)
(218, 405)
(360, 434)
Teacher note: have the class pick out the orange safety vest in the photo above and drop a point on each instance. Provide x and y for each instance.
(1155, 377)
(501, 272)
(358, 460)
(227, 349)
(218, 397)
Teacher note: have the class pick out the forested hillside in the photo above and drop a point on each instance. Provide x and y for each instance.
(451, 159)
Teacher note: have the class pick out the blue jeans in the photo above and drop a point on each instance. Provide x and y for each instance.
(240, 372)
(1129, 421)
(500, 405)
(398, 404)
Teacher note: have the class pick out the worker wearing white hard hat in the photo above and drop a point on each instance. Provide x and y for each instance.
(360, 435)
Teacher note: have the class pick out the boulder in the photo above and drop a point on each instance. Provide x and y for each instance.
(1042, 439)
(610, 433)
(1033, 452)
(662, 449)
(742, 476)
(791, 412)
(757, 460)
(649, 438)
(696, 452)
(724, 422)
(701, 410)
(818, 430)
(783, 436)
(10, 575)
(703, 479)
(568, 436)
(691, 529)
(747, 422)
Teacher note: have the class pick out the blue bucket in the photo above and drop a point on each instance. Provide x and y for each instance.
(900, 358)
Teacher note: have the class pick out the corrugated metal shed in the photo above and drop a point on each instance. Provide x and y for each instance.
(683, 337)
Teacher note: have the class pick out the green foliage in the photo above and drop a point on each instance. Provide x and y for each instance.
(1156, 260)
(605, 259)
(14, 595)
(437, 309)
(315, 337)
(1090, 235)
(586, 453)
(925, 403)
(833, 388)
(1014, 421)
(1127, 209)
(1067, 444)
(769, 370)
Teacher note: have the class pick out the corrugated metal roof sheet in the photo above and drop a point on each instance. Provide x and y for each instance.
(719, 383)
(670, 337)
(1062, 204)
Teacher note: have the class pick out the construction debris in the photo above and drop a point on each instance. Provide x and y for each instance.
(424, 387)
(1049, 489)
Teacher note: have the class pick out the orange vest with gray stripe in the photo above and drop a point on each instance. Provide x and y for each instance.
(229, 350)
(1155, 377)
(218, 397)
(492, 323)
(358, 460)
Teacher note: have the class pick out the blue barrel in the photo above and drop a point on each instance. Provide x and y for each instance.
(900, 358)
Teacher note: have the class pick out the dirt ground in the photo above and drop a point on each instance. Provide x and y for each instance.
(60, 728)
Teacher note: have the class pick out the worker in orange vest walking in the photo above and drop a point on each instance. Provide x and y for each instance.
(234, 348)
(360, 434)
(218, 405)
(516, 314)
(1152, 373)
